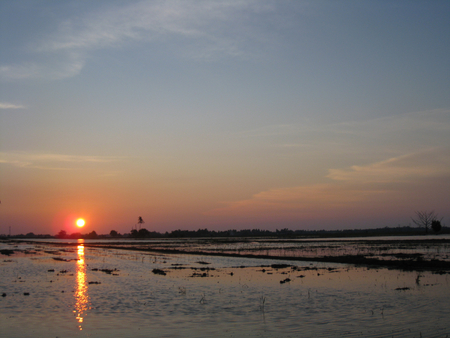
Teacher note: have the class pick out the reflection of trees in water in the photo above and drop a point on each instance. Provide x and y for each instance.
(81, 294)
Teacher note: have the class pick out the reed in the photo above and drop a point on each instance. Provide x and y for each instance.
(262, 302)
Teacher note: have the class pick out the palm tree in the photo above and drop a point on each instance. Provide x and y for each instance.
(140, 222)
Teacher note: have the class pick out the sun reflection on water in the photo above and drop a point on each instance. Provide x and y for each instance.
(81, 294)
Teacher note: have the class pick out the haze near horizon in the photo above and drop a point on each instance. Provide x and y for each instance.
(223, 114)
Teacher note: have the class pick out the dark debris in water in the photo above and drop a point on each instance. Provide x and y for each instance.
(280, 266)
(402, 255)
(306, 268)
(159, 272)
(94, 283)
(107, 271)
(403, 289)
(203, 269)
(196, 274)
(63, 259)
(6, 252)
(287, 280)
(403, 264)
(202, 262)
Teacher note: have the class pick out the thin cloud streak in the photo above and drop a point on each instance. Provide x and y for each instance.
(51, 161)
(66, 66)
(434, 120)
(405, 168)
(5, 105)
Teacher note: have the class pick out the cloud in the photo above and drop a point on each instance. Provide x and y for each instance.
(294, 200)
(5, 105)
(430, 122)
(22, 71)
(202, 29)
(379, 138)
(52, 161)
(388, 184)
(404, 162)
(431, 163)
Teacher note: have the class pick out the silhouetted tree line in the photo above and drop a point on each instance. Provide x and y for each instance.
(28, 235)
(226, 233)
(144, 233)
(435, 225)
(283, 233)
(64, 235)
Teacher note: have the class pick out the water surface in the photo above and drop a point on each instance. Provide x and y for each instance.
(79, 291)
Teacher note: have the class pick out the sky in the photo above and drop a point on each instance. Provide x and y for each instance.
(245, 114)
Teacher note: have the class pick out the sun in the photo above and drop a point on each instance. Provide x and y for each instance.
(80, 222)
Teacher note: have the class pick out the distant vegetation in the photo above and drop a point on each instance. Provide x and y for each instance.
(63, 235)
(283, 233)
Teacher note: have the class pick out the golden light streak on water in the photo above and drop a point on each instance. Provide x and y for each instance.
(81, 294)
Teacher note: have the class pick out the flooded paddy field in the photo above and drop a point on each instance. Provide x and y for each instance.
(412, 253)
(92, 289)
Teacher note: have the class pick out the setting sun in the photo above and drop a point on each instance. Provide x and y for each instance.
(80, 222)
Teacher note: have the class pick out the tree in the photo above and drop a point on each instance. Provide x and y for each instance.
(140, 221)
(113, 233)
(61, 234)
(143, 233)
(436, 225)
(425, 219)
(91, 235)
(76, 235)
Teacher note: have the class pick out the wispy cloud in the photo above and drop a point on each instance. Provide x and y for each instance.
(397, 134)
(52, 161)
(385, 184)
(431, 163)
(203, 29)
(404, 163)
(436, 120)
(5, 105)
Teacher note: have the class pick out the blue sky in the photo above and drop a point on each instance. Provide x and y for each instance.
(223, 114)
